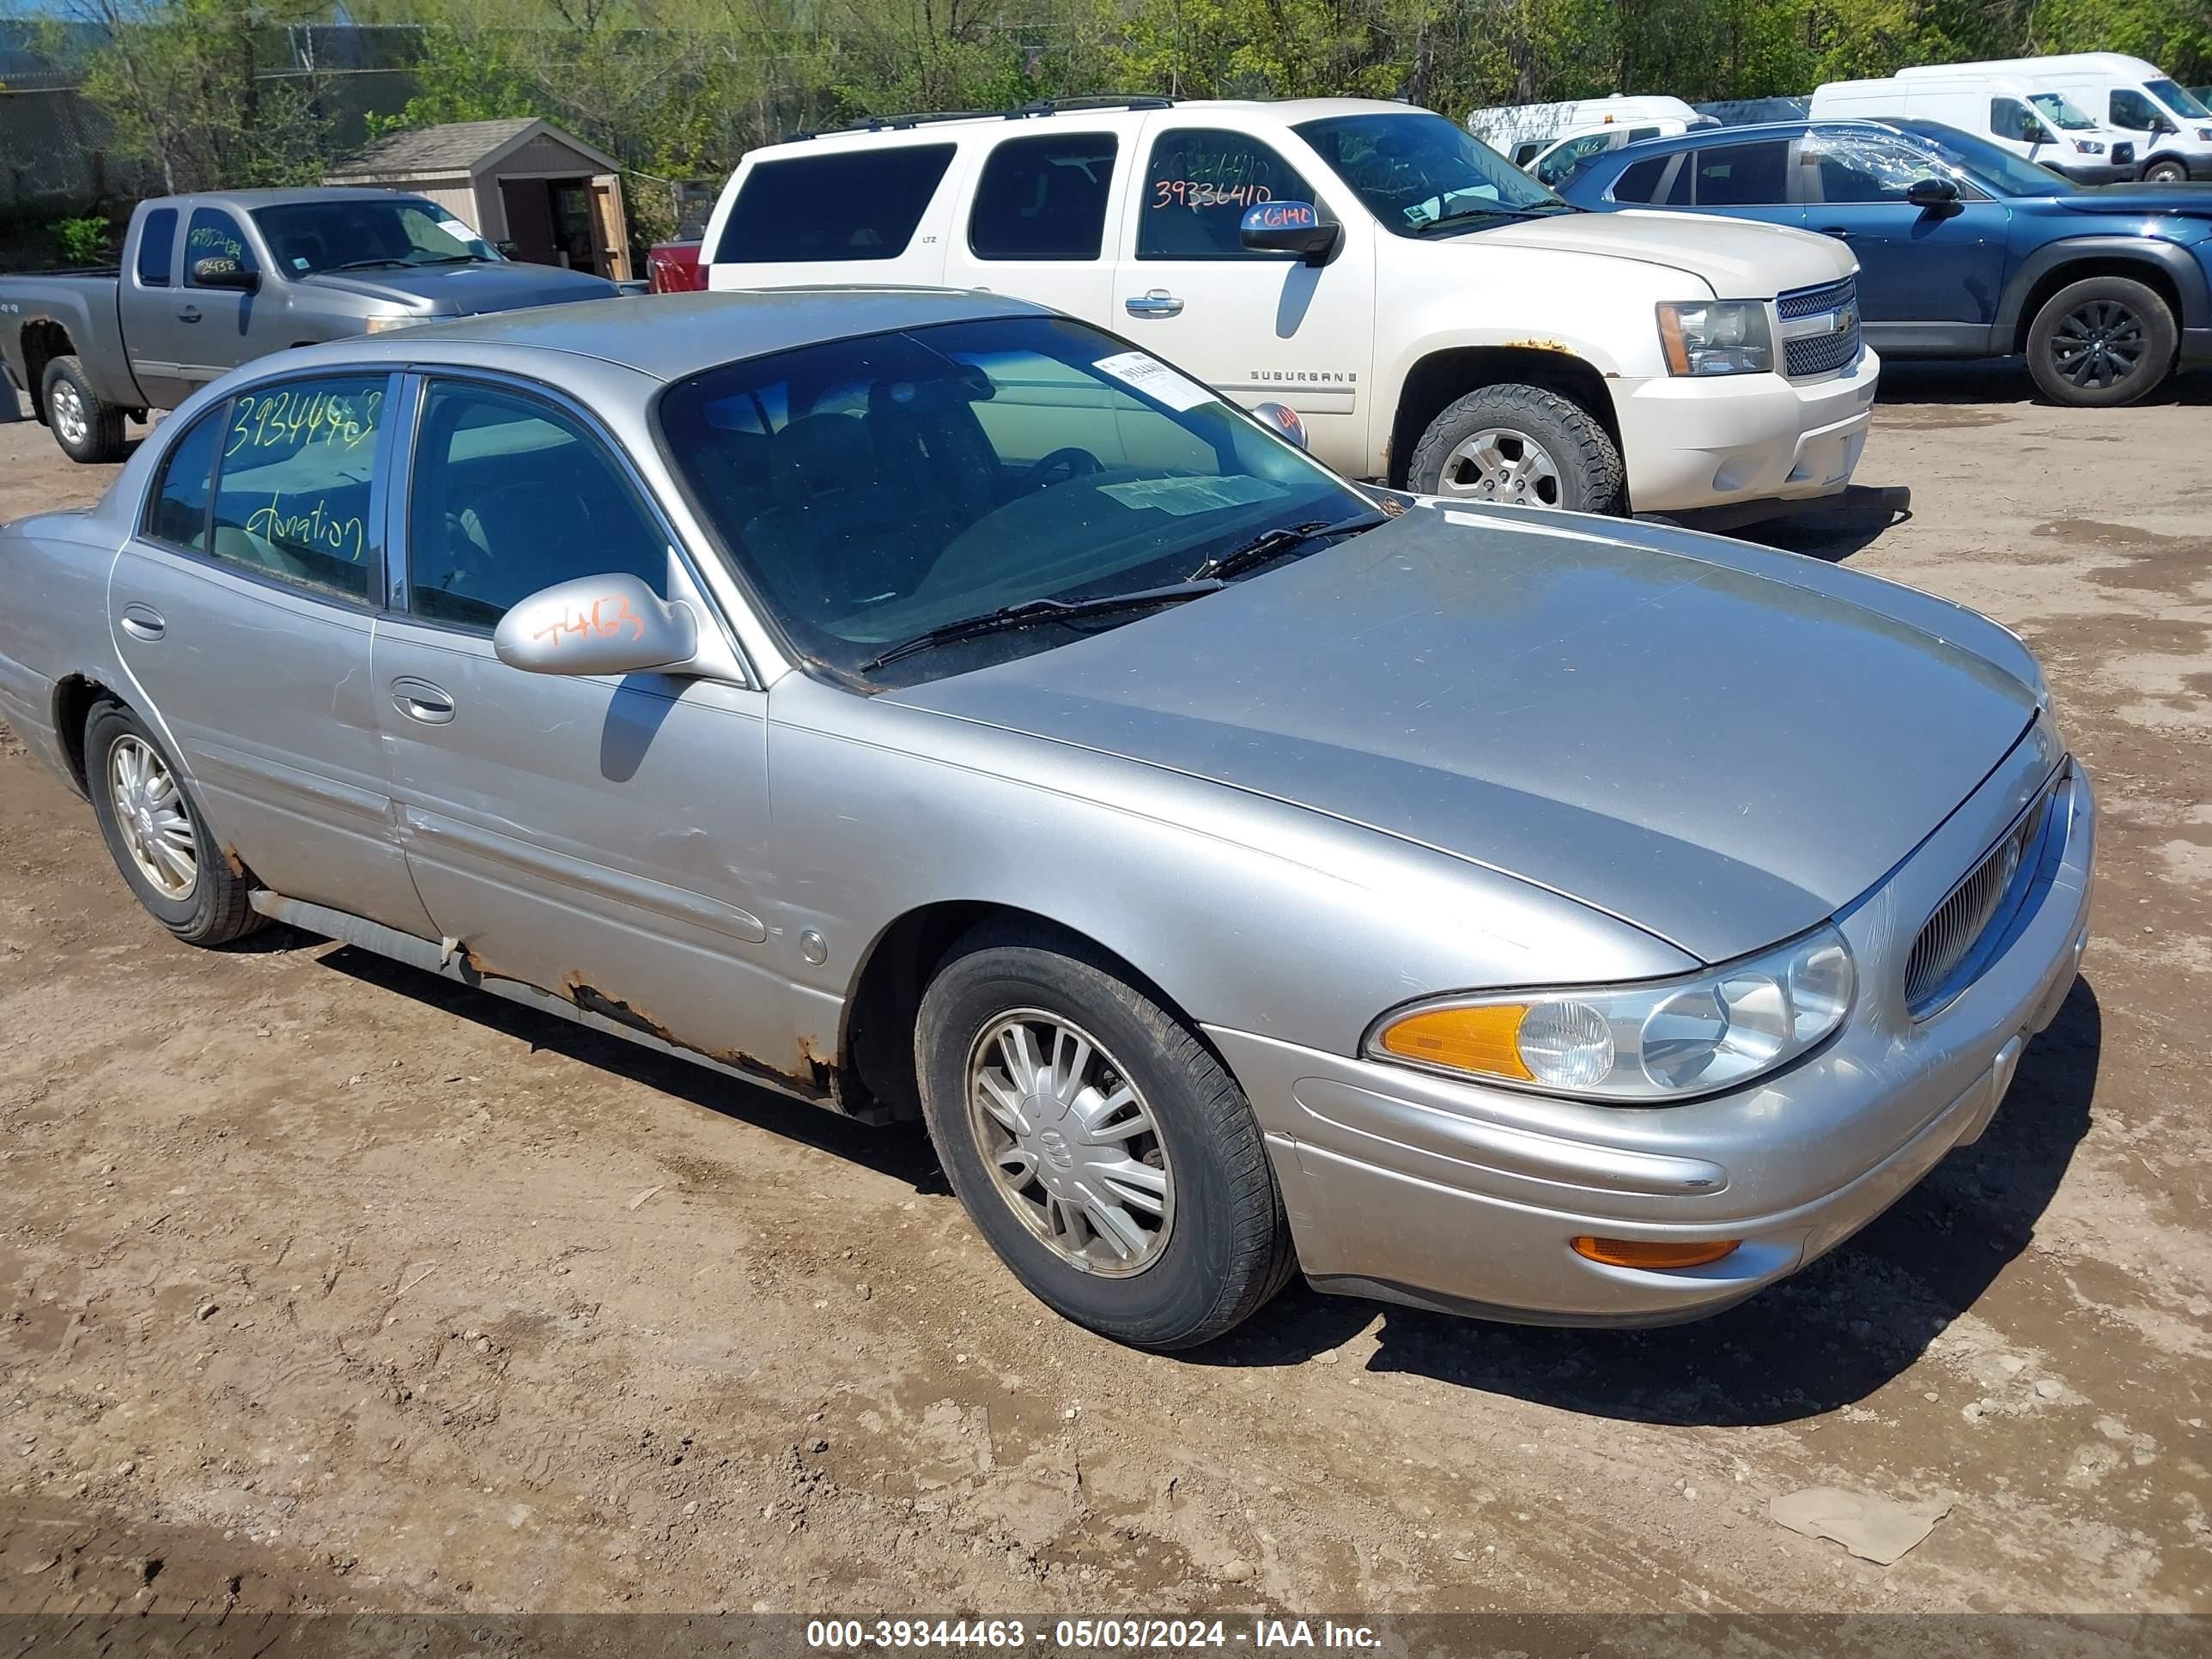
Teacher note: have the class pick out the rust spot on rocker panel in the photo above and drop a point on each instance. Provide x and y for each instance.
(815, 1078)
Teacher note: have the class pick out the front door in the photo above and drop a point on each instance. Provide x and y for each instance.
(1256, 327)
(206, 331)
(243, 610)
(602, 838)
(1929, 277)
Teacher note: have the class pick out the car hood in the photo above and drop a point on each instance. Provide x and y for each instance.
(2169, 200)
(464, 290)
(1722, 757)
(1739, 258)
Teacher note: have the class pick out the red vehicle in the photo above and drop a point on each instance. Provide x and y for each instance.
(677, 269)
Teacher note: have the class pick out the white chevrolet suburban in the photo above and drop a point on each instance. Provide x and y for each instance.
(1437, 318)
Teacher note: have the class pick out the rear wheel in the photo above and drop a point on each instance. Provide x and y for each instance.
(156, 836)
(2101, 342)
(1522, 446)
(2166, 171)
(1098, 1145)
(87, 428)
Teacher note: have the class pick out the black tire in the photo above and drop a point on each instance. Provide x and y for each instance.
(216, 909)
(1588, 465)
(98, 425)
(2128, 322)
(2166, 171)
(1228, 1245)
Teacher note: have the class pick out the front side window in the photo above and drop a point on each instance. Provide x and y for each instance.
(157, 248)
(1867, 167)
(214, 234)
(178, 511)
(2011, 119)
(1572, 157)
(510, 494)
(1044, 199)
(1417, 173)
(1199, 183)
(846, 204)
(870, 490)
(1744, 176)
(292, 487)
(368, 233)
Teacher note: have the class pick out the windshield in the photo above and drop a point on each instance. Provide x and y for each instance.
(2178, 99)
(1417, 169)
(872, 490)
(2060, 113)
(1992, 166)
(339, 234)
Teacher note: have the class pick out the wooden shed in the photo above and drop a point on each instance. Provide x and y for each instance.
(551, 197)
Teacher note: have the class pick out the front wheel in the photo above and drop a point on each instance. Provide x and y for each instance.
(156, 836)
(2101, 342)
(2166, 171)
(1520, 445)
(87, 428)
(1097, 1143)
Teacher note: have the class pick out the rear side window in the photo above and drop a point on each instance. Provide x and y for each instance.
(1744, 176)
(157, 244)
(292, 501)
(851, 205)
(1199, 182)
(1044, 199)
(1640, 183)
(214, 234)
(178, 513)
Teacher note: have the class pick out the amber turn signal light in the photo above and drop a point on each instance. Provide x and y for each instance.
(1654, 1255)
(1477, 1040)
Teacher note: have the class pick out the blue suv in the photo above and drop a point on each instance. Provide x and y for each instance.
(1964, 249)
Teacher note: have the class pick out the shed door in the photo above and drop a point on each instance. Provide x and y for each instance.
(529, 219)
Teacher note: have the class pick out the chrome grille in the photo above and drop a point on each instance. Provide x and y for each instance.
(1960, 922)
(1826, 349)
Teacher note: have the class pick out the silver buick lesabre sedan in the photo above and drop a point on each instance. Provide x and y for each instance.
(927, 705)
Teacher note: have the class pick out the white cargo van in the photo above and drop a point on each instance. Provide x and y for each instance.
(2170, 125)
(1550, 142)
(2035, 121)
(1434, 316)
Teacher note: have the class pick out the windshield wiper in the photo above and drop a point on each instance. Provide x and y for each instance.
(1498, 210)
(1030, 612)
(367, 264)
(1274, 543)
(452, 260)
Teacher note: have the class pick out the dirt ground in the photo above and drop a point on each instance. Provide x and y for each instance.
(326, 1284)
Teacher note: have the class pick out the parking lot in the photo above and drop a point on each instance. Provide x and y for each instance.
(326, 1284)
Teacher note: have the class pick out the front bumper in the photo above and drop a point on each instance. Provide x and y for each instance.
(1423, 1190)
(1690, 443)
(2091, 170)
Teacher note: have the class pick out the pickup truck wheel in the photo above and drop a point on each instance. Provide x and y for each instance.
(2101, 342)
(1520, 445)
(88, 428)
(1099, 1146)
(156, 836)
(2166, 171)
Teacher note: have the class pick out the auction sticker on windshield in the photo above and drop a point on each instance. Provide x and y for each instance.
(1155, 379)
(1183, 496)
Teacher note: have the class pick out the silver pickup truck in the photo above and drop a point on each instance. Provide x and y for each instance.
(209, 282)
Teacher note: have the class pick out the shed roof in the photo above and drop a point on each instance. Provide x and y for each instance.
(458, 146)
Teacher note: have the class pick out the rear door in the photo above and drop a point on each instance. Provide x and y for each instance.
(148, 307)
(1037, 220)
(1749, 180)
(1255, 326)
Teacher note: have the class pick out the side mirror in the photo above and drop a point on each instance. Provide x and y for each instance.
(1284, 419)
(1931, 192)
(224, 272)
(2163, 127)
(1289, 227)
(595, 625)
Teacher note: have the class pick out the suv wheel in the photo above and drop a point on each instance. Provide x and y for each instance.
(1520, 445)
(2101, 342)
(1098, 1145)
(89, 428)
(156, 836)
(2166, 171)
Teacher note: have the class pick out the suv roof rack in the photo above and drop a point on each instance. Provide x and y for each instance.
(1020, 113)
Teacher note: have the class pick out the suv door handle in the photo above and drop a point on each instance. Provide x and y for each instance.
(188, 313)
(1841, 233)
(419, 700)
(1158, 302)
(141, 622)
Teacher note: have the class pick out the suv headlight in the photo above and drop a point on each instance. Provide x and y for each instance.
(1646, 1044)
(1716, 336)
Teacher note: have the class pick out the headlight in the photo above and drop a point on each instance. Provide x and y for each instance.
(2088, 147)
(1716, 336)
(1646, 1044)
(391, 319)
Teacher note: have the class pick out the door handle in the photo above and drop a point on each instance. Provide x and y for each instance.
(1842, 233)
(143, 622)
(419, 700)
(1158, 302)
(188, 314)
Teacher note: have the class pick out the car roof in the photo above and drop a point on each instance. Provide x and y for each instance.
(250, 199)
(668, 335)
(927, 128)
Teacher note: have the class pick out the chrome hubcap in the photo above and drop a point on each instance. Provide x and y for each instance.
(1070, 1143)
(2097, 344)
(157, 831)
(1499, 465)
(67, 412)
